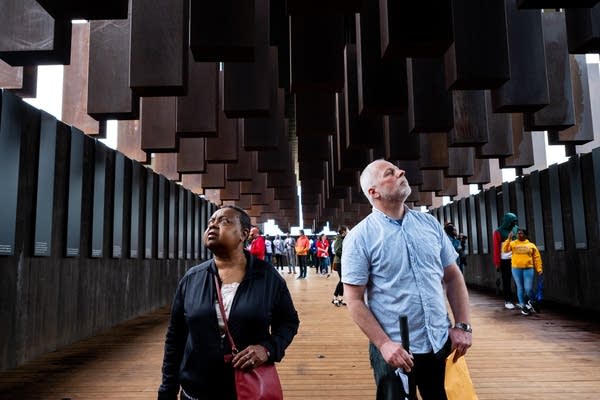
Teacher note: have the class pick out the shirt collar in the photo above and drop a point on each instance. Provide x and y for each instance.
(381, 214)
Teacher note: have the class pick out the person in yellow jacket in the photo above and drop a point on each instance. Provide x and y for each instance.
(525, 257)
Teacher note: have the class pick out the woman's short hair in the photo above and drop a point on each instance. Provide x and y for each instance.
(524, 230)
(244, 217)
(342, 228)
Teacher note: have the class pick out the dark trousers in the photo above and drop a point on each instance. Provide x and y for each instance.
(428, 375)
(279, 261)
(302, 265)
(506, 270)
(339, 289)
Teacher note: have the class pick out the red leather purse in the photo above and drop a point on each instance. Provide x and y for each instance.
(260, 383)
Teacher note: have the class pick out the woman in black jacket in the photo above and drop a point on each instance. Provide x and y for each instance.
(261, 315)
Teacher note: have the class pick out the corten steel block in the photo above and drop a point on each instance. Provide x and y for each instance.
(556, 3)
(470, 119)
(429, 102)
(158, 122)
(225, 147)
(522, 146)
(166, 164)
(30, 36)
(362, 132)
(434, 150)
(248, 85)
(315, 113)
(317, 44)
(231, 191)
(311, 7)
(75, 82)
(382, 86)
(450, 188)
(191, 158)
(245, 201)
(256, 186)
(90, 9)
(28, 88)
(279, 159)
(281, 180)
(279, 35)
(265, 198)
(222, 31)
(311, 170)
(559, 114)
(284, 193)
(411, 170)
(481, 173)
(404, 145)
(461, 162)
(478, 58)
(583, 29)
(348, 159)
(425, 199)
(313, 149)
(129, 141)
(214, 176)
(10, 77)
(245, 168)
(192, 182)
(527, 88)
(433, 180)
(109, 94)
(264, 133)
(415, 29)
(198, 112)
(499, 139)
(583, 130)
(159, 41)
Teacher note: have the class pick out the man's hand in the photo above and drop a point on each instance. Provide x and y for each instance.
(461, 341)
(394, 354)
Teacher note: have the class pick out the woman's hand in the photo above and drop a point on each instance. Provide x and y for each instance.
(251, 357)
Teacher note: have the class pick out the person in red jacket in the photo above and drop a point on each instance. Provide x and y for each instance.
(323, 254)
(257, 243)
(502, 260)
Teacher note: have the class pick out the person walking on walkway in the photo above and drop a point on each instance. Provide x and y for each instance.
(290, 253)
(302, 249)
(338, 293)
(404, 263)
(525, 257)
(502, 259)
(278, 250)
(261, 316)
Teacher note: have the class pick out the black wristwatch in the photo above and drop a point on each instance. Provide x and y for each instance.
(464, 327)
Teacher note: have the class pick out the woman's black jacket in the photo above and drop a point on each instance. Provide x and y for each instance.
(262, 313)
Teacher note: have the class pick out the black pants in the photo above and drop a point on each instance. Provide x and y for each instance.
(506, 270)
(339, 289)
(279, 261)
(302, 264)
(428, 375)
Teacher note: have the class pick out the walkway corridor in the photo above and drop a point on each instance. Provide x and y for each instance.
(545, 356)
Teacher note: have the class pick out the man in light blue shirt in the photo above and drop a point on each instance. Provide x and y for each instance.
(402, 260)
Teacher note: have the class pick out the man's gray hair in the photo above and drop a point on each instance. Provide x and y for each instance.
(367, 179)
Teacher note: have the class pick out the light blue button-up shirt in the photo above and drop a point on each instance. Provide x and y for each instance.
(402, 263)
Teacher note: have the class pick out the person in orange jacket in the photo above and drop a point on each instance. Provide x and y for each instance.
(302, 248)
(525, 257)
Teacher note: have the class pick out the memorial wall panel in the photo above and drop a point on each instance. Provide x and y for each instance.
(99, 204)
(74, 203)
(558, 235)
(537, 233)
(44, 209)
(119, 205)
(138, 177)
(151, 223)
(578, 209)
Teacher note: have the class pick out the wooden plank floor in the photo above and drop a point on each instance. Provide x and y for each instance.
(546, 356)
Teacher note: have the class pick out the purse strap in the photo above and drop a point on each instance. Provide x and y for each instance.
(223, 315)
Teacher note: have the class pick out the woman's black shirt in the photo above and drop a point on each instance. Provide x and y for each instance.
(262, 313)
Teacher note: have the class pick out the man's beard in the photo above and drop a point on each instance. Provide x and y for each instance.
(398, 196)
